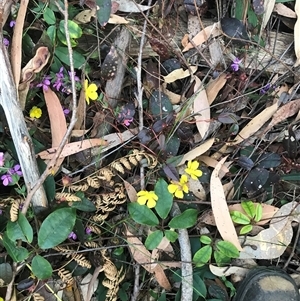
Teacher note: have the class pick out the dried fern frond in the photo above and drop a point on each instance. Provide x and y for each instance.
(65, 276)
(94, 229)
(37, 297)
(126, 163)
(63, 250)
(100, 217)
(117, 166)
(81, 260)
(65, 196)
(92, 244)
(14, 210)
(79, 187)
(105, 174)
(93, 182)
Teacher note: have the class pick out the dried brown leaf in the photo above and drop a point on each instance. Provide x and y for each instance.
(201, 108)
(214, 87)
(285, 11)
(220, 209)
(179, 74)
(255, 124)
(208, 32)
(286, 111)
(197, 151)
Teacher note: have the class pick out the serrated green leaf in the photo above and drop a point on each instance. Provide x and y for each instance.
(41, 267)
(205, 239)
(17, 254)
(142, 214)
(239, 218)
(21, 229)
(258, 212)
(165, 198)
(246, 229)
(56, 227)
(249, 208)
(62, 54)
(202, 256)
(184, 220)
(228, 249)
(49, 16)
(171, 235)
(75, 31)
(154, 239)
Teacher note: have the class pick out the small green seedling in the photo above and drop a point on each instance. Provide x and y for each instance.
(223, 252)
(253, 214)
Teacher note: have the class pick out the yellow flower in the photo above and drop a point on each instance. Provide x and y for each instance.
(90, 91)
(178, 188)
(148, 197)
(35, 112)
(192, 170)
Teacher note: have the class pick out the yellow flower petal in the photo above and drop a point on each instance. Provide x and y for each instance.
(153, 195)
(35, 112)
(179, 194)
(185, 188)
(151, 203)
(172, 188)
(183, 179)
(142, 200)
(142, 192)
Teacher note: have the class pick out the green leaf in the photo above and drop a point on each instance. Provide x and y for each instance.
(199, 287)
(228, 249)
(6, 272)
(246, 229)
(75, 31)
(56, 227)
(63, 39)
(202, 256)
(165, 198)
(154, 239)
(41, 267)
(249, 208)
(142, 214)
(49, 16)
(221, 259)
(17, 254)
(103, 13)
(85, 205)
(51, 32)
(62, 54)
(184, 220)
(21, 229)
(49, 183)
(258, 212)
(205, 239)
(160, 105)
(171, 235)
(240, 218)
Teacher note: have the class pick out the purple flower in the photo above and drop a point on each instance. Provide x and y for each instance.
(66, 111)
(6, 179)
(12, 23)
(88, 230)
(265, 89)
(76, 78)
(6, 42)
(45, 83)
(2, 159)
(127, 121)
(59, 77)
(236, 64)
(16, 170)
(72, 235)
